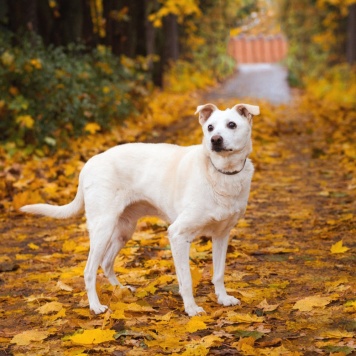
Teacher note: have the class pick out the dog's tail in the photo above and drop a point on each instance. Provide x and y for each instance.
(59, 212)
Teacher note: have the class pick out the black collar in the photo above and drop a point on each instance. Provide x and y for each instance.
(229, 173)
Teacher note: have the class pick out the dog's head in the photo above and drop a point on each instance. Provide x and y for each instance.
(228, 130)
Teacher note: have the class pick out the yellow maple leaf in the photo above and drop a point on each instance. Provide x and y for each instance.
(36, 63)
(308, 303)
(206, 247)
(60, 314)
(267, 307)
(70, 169)
(50, 308)
(7, 58)
(195, 323)
(118, 314)
(244, 318)
(68, 246)
(196, 276)
(25, 121)
(71, 272)
(138, 308)
(211, 340)
(165, 279)
(167, 342)
(195, 350)
(23, 198)
(338, 248)
(62, 286)
(33, 246)
(246, 344)
(92, 127)
(336, 334)
(94, 336)
(27, 337)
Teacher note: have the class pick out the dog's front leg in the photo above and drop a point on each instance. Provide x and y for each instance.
(180, 246)
(219, 256)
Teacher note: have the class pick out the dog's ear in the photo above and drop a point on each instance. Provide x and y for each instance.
(205, 111)
(247, 110)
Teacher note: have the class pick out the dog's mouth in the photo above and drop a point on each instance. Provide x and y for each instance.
(221, 149)
(224, 149)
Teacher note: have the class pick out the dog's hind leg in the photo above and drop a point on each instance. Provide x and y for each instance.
(101, 233)
(122, 233)
(116, 244)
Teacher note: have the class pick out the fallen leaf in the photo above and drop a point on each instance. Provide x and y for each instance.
(26, 337)
(62, 286)
(196, 276)
(33, 246)
(118, 314)
(308, 303)
(246, 334)
(94, 336)
(338, 248)
(244, 318)
(92, 127)
(50, 308)
(336, 334)
(195, 323)
(195, 350)
(60, 314)
(166, 342)
(211, 340)
(267, 307)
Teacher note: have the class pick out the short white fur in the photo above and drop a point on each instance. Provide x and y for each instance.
(183, 185)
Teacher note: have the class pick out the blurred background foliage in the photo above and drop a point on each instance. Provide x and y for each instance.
(322, 39)
(71, 67)
(66, 64)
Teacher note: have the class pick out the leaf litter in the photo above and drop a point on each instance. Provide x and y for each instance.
(291, 259)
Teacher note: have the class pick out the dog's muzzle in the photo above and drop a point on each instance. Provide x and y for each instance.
(217, 144)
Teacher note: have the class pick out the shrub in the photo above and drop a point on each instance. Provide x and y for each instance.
(50, 94)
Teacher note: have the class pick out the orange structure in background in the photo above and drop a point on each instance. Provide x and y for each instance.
(258, 49)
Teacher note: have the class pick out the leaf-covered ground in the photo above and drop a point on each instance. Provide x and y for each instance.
(291, 261)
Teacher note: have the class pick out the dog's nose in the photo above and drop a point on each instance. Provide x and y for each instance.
(217, 140)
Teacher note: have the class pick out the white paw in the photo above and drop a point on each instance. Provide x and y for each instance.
(99, 308)
(192, 310)
(227, 300)
(132, 289)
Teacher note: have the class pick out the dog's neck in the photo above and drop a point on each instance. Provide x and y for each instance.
(229, 173)
(228, 163)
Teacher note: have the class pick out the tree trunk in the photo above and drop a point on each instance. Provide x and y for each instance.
(171, 38)
(351, 35)
(113, 37)
(71, 21)
(22, 15)
(45, 21)
(87, 32)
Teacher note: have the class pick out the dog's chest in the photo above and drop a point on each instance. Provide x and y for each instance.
(218, 225)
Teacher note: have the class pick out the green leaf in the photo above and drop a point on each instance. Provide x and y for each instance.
(245, 333)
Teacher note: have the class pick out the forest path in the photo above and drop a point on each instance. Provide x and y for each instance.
(256, 81)
(296, 282)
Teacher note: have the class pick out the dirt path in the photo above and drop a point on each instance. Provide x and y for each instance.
(256, 81)
(298, 298)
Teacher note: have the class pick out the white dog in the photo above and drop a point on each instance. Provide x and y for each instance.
(200, 190)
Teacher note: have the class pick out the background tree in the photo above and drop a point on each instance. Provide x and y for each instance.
(165, 30)
(351, 34)
(320, 34)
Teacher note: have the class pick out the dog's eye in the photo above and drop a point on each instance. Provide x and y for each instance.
(231, 125)
(210, 128)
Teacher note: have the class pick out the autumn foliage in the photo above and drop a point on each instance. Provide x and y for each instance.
(291, 260)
